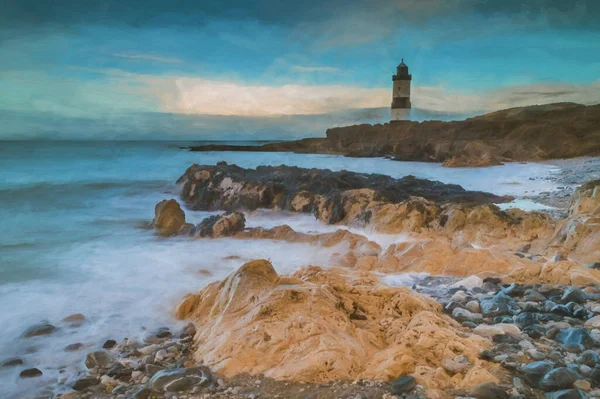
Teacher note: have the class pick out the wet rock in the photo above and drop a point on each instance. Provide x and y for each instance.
(464, 315)
(525, 319)
(573, 294)
(473, 307)
(223, 225)
(533, 296)
(39, 329)
(593, 265)
(493, 308)
(84, 382)
(12, 362)
(142, 393)
(535, 331)
(558, 379)
(169, 218)
(488, 390)
(74, 347)
(152, 369)
(74, 318)
(573, 348)
(594, 322)
(30, 373)
(119, 372)
(567, 394)
(533, 373)
(109, 344)
(403, 384)
(98, 359)
(179, 379)
(583, 385)
(576, 336)
(188, 331)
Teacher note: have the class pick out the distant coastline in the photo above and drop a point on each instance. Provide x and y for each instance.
(532, 133)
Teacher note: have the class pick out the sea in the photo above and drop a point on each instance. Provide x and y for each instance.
(74, 238)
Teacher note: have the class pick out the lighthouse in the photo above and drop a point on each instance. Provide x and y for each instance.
(401, 92)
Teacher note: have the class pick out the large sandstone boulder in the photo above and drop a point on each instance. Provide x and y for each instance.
(169, 218)
(321, 325)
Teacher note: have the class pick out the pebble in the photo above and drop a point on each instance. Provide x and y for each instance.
(39, 329)
(464, 315)
(403, 384)
(12, 362)
(109, 344)
(488, 390)
(74, 347)
(473, 307)
(97, 359)
(559, 378)
(30, 373)
(583, 385)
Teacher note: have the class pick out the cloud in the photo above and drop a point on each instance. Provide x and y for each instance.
(301, 68)
(202, 96)
(148, 57)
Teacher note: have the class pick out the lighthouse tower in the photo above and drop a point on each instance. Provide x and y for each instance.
(401, 92)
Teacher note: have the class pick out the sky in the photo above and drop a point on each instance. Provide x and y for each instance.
(229, 69)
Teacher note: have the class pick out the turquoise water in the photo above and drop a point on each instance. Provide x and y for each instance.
(73, 239)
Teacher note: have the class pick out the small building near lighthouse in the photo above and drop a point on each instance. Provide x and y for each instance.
(401, 92)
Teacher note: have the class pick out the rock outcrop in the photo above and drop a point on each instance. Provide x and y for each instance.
(169, 218)
(330, 195)
(320, 325)
(532, 133)
(224, 225)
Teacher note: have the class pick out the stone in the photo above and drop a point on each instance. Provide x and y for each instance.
(98, 359)
(532, 373)
(169, 218)
(188, 331)
(576, 336)
(468, 283)
(525, 319)
(161, 355)
(458, 365)
(74, 347)
(589, 357)
(558, 379)
(75, 317)
(473, 307)
(488, 390)
(84, 382)
(152, 369)
(30, 373)
(12, 362)
(179, 379)
(223, 225)
(119, 371)
(109, 344)
(487, 331)
(594, 322)
(583, 385)
(403, 384)
(142, 393)
(509, 329)
(533, 296)
(566, 394)
(593, 265)
(464, 315)
(39, 329)
(573, 294)
(459, 296)
(493, 308)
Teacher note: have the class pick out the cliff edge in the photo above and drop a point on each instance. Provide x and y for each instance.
(533, 133)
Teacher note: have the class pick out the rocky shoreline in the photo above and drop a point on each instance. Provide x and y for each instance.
(509, 306)
(533, 133)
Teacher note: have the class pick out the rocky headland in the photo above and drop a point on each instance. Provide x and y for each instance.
(533, 133)
(506, 303)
